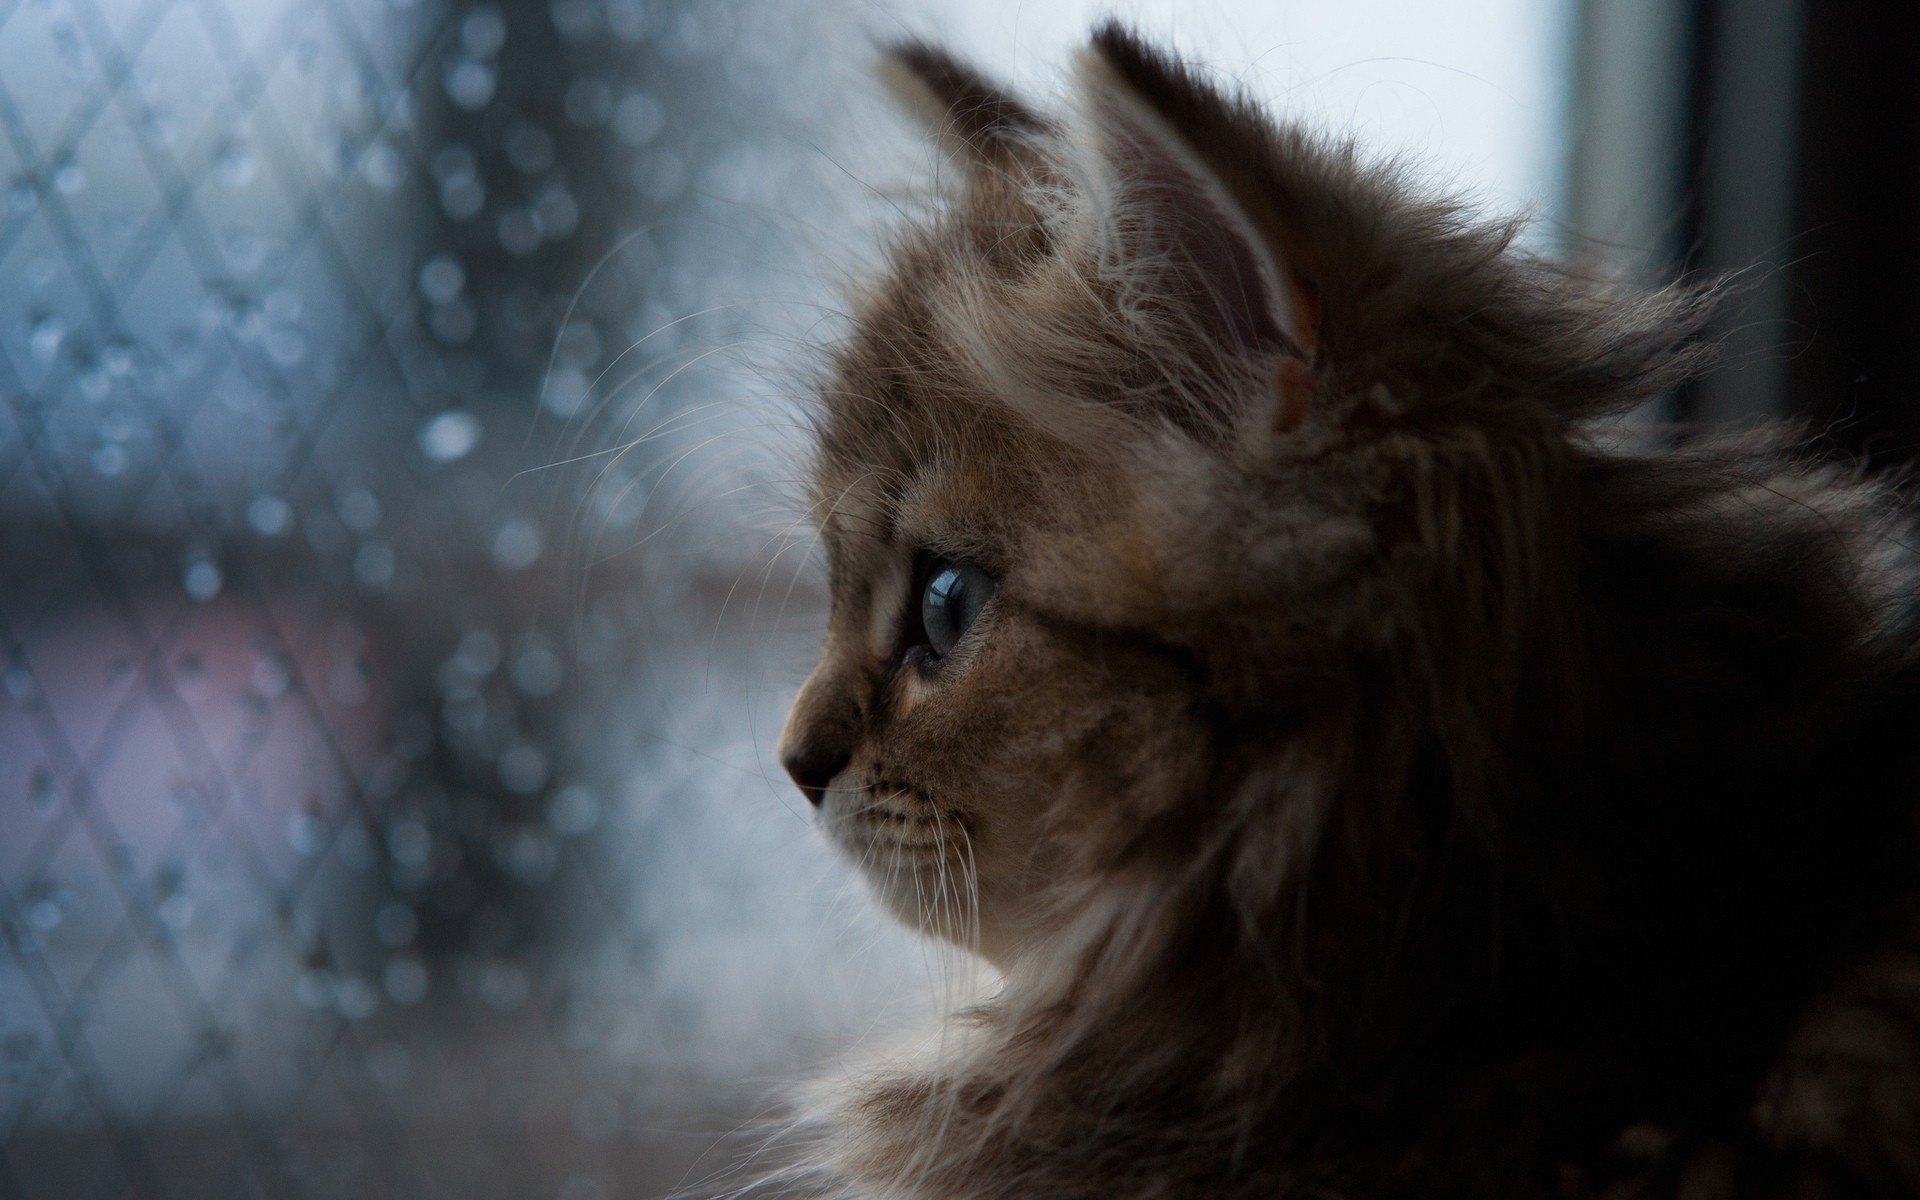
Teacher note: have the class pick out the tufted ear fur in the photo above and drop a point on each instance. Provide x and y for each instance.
(1171, 226)
(976, 121)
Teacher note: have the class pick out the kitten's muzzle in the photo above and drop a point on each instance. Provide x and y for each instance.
(813, 767)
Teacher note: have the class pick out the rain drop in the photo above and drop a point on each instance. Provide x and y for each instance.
(202, 579)
(519, 231)
(589, 102)
(395, 925)
(483, 33)
(236, 165)
(383, 167)
(270, 516)
(405, 980)
(359, 510)
(639, 119)
(573, 811)
(469, 83)
(450, 436)
(530, 149)
(441, 279)
(517, 545)
(523, 769)
(373, 565)
(44, 338)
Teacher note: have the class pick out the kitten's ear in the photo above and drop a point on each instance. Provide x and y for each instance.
(975, 120)
(1170, 219)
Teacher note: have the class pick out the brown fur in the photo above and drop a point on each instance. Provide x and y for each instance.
(1370, 777)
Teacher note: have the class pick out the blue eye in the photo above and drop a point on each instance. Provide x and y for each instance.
(955, 594)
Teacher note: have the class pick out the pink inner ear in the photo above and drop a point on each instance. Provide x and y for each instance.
(1170, 207)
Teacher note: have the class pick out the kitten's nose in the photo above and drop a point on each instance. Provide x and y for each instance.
(813, 767)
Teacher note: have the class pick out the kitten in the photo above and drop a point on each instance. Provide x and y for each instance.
(1369, 779)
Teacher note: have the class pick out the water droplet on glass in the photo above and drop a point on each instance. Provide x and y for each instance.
(354, 847)
(638, 119)
(405, 980)
(305, 833)
(532, 855)
(627, 19)
(373, 565)
(347, 684)
(67, 44)
(523, 769)
(359, 510)
(538, 671)
(95, 384)
(117, 358)
(409, 842)
(576, 20)
(272, 674)
(202, 579)
(355, 999)
(453, 161)
(159, 127)
(478, 654)
(314, 988)
(565, 393)
(558, 211)
(483, 32)
(70, 178)
(469, 83)
(462, 197)
(177, 910)
(395, 925)
(450, 436)
(246, 250)
(517, 545)
(110, 460)
(270, 516)
(45, 914)
(464, 710)
(578, 345)
(589, 102)
(660, 177)
(441, 279)
(237, 164)
(530, 149)
(453, 323)
(519, 231)
(388, 1062)
(41, 792)
(22, 198)
(383, 167)
(573, 811)
(44, 338)
(503, 986)
(286, 345)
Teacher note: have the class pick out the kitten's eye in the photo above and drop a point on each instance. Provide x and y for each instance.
(954, 596)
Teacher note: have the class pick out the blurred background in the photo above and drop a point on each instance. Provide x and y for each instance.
(400, 574)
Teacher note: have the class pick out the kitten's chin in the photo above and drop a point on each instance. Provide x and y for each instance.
(920, 869)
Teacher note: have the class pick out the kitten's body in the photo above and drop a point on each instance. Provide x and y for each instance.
(1370, 780)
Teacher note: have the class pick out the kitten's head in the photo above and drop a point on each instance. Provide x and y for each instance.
(1178, 434)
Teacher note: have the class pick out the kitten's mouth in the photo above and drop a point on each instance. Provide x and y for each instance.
(887, 815)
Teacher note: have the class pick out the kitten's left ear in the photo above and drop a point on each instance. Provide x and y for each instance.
(982, 124)
(1170, 220)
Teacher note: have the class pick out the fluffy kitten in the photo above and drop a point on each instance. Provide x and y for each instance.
(1369, 778)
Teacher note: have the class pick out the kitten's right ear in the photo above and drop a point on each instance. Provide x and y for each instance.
(975, 120)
